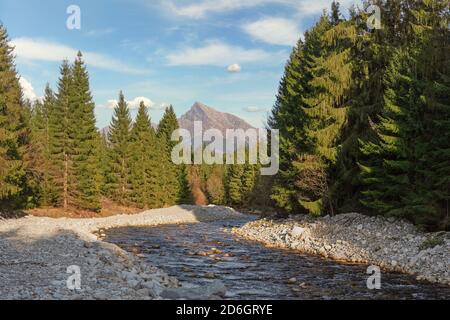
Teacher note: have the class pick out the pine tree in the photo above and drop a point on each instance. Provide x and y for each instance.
(430, 24)
(235, 185)
(119, 138)
(371, 55)
(176, 175)
(392, 189)
(39, 160)
(144, 178)
(13, 133)
(290, 116)
(60, 124)
(12, 127)
(215, 186)
(167, 125)
(86, 184)
(404, 177)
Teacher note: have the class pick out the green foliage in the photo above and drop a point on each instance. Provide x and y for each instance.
(143, 175)
(119, 138)
(215, 186)
(363, 117)
(39, 160)
(175, 183)
(86, 184)
(13, 134)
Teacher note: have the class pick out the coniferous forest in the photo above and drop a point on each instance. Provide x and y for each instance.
(53, 156)
(363, 115)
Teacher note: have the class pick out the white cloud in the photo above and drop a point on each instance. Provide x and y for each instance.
(110, 104)
(41, 50)
(200, 9)
(256, 109)
(216, 53)
(234, 68)
(277, 31)
(134, 104)
(28, 90)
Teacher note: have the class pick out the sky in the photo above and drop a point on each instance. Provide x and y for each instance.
(228, 54)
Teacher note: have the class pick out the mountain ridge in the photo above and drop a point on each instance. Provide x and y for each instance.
(210, 117)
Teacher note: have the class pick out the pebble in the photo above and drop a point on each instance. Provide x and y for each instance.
(49, 246)
(292, 281)
(392, 244)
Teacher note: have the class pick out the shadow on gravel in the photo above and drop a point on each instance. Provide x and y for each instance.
(13, 214)
(35, 266)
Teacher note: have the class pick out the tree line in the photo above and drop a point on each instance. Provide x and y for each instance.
(364, 115)
(52, 154)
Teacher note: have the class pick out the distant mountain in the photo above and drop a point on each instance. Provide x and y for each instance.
(211, 118)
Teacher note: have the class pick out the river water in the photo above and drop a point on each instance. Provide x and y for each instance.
(200, 253)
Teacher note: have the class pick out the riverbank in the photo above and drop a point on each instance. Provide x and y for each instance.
(393, 245)
(36, 252)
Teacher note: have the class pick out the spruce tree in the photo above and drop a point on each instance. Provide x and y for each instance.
(39, 161)
(235, 185)
(290, 117)
(167, 125)
(143, 175)
(176, 175)
(392, 181)
(215, 186)
(85, 137)
(13, 133)
(119, 138)
(61, 139)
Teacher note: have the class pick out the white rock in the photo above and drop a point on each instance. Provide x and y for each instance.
(297, 231)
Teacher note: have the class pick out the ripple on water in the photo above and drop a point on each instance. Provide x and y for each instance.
(200, 253)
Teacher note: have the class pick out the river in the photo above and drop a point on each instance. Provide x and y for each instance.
(200, 253)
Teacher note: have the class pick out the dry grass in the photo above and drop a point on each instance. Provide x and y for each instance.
(109, 208)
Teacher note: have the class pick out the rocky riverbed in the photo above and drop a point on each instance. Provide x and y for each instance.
(391, 244)
(37, 252)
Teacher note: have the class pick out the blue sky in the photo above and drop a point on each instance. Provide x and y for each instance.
(228, 54)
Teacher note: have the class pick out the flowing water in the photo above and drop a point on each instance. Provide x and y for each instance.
(199, 253)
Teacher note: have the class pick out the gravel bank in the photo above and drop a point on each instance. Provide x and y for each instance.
(389, 244)
(36, 252)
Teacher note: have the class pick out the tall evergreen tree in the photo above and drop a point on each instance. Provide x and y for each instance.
(144, 177)
(403, 175)
(61, 140)
(85, 137)
(176, 179)
(119, 138)
(13, 133)
(290, 116)
(39, 160)
(235, 184)
(167, 125)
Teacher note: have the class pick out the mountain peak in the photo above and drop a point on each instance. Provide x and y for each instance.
(200, 106)
(211, 118)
